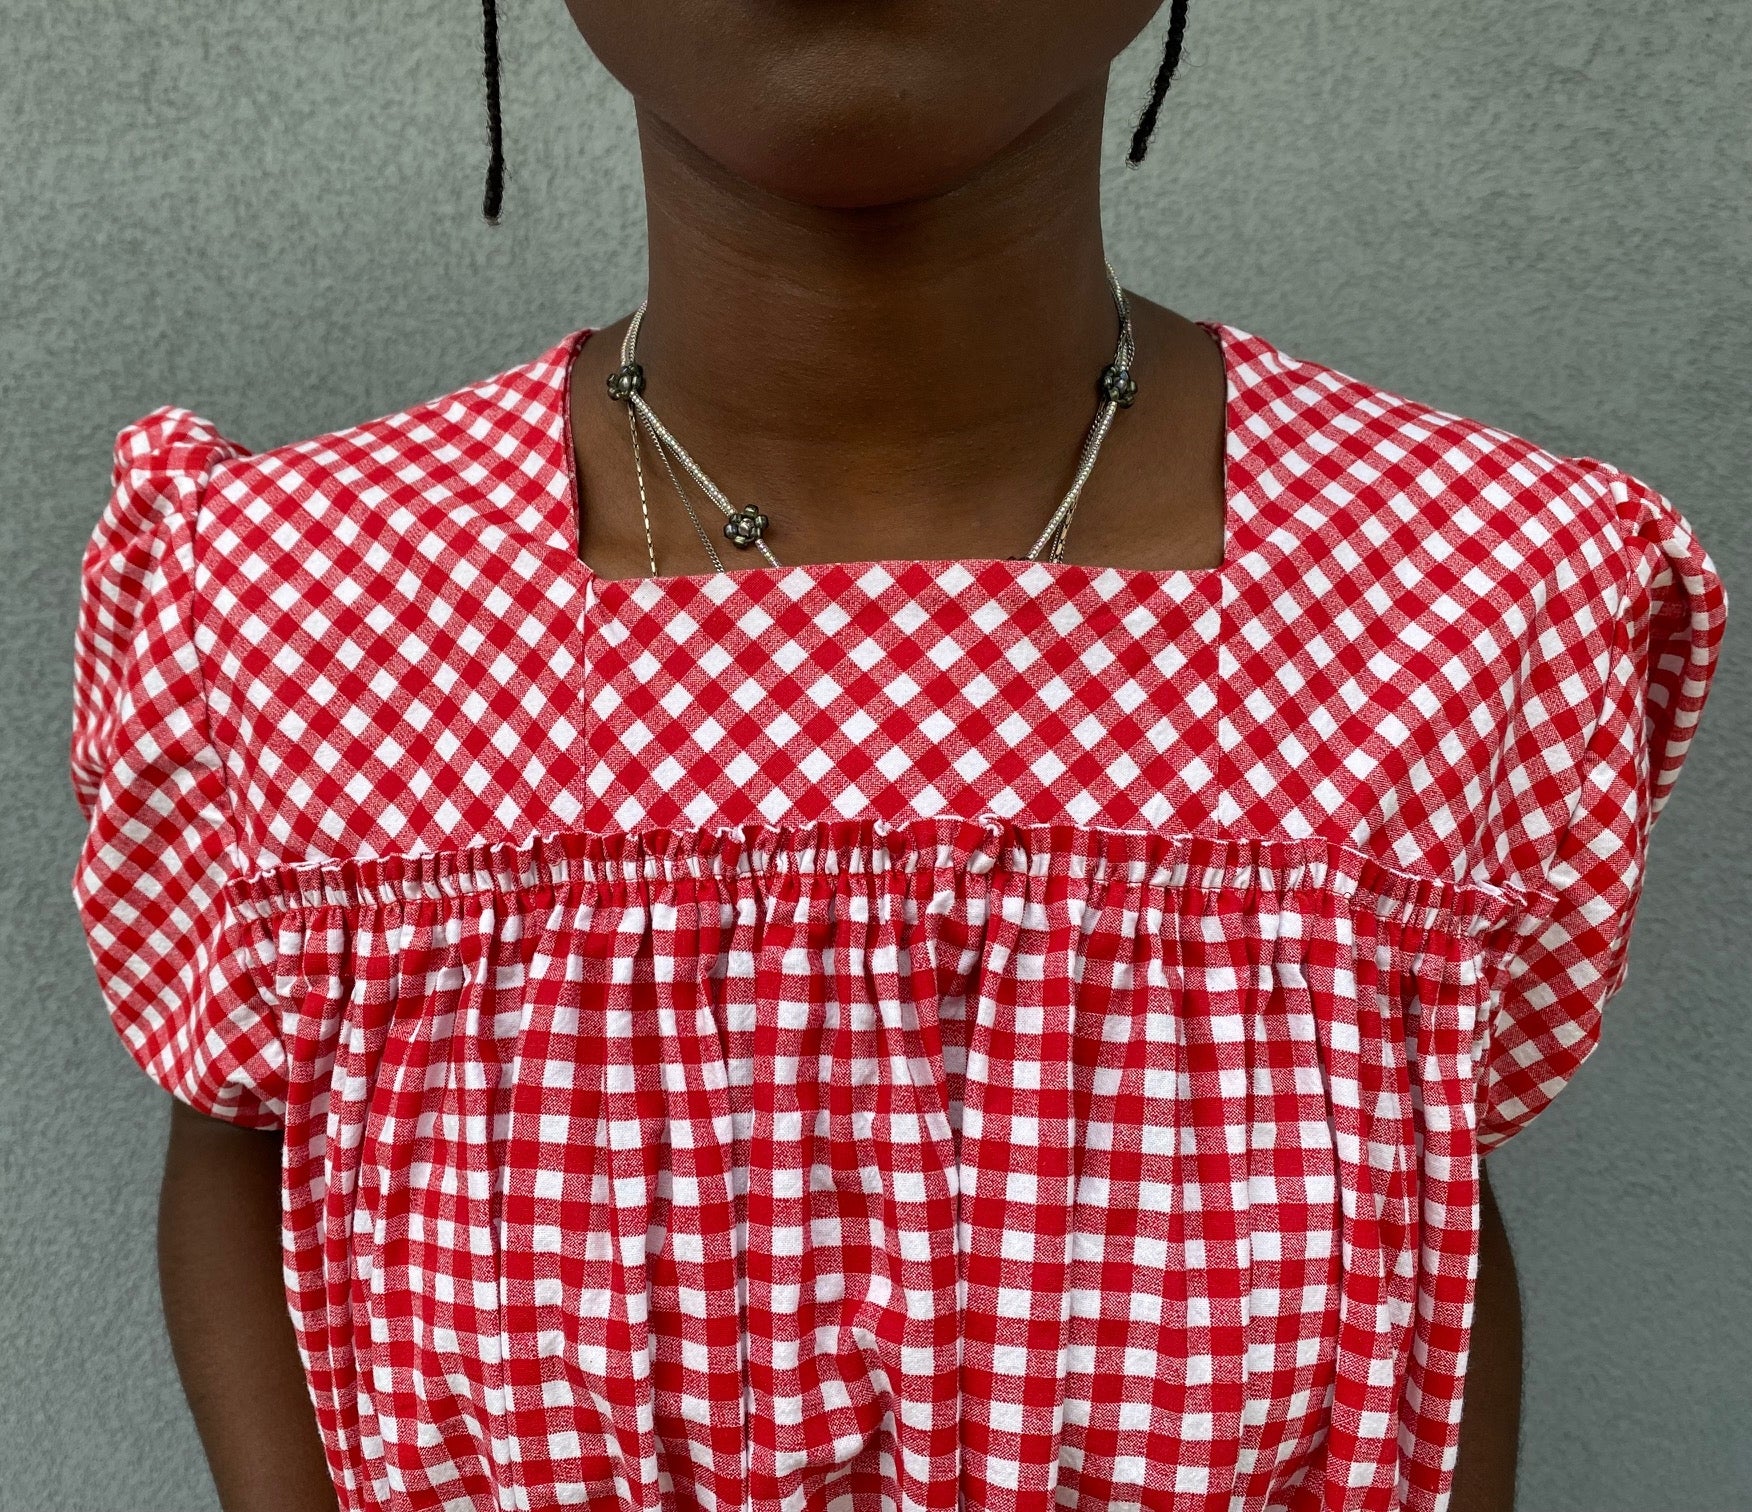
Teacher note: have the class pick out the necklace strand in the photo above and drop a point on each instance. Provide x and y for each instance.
(687, 504)
(1058, 528)
(746, 527)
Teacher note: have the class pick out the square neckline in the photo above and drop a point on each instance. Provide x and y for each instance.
(897, 567)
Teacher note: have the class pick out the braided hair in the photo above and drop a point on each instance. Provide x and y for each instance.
(1146, 127)
(495, 121)
(495, 196)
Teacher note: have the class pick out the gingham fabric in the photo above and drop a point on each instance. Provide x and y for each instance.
(885, 1035)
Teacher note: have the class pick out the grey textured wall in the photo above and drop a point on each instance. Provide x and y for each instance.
(1531, 211)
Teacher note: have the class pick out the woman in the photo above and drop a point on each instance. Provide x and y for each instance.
(909, 880)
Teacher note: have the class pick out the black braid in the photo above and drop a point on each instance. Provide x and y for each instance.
(495, 126)
(1140, 143)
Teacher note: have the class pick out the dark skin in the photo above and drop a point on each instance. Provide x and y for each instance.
(225, 1309)
(878, 309)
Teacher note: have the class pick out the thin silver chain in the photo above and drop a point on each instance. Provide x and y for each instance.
(687, 504)
(1058, 528)
(639, 468)
(640, 414)
(660, 434)
(681, 493)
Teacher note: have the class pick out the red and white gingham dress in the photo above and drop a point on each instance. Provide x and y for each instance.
(917, 1034)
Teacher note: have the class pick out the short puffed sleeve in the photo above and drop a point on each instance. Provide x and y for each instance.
(180, 975)
(1629, 647)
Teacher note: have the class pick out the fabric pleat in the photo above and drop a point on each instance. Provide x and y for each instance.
(956, 1163)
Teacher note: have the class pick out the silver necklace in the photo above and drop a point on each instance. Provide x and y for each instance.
(746, 527)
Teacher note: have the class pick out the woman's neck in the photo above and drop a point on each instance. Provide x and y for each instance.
(912, 380)
(939, 313)
(942, 336)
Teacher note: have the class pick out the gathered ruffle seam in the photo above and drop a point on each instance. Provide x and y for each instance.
(935, 851)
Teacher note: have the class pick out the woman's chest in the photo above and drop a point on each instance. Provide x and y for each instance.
(456, 689)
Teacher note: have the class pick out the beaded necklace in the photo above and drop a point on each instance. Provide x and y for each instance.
(746, 527)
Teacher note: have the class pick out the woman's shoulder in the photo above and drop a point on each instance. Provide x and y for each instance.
(493, 450)
(1469, 624)
(1460, 541)
(270, 556)
(499, 442)
(1332, 458)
